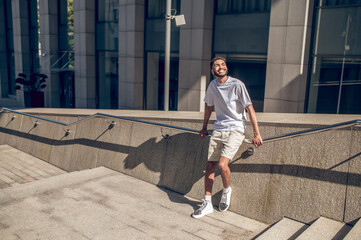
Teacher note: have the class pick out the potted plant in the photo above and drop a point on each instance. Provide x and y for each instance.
(33, 96)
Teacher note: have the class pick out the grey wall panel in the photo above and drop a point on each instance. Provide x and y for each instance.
(353, 197)
(86, 144)
(62, 147)
(114, 145)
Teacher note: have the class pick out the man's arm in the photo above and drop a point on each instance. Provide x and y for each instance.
(207, 114)
(257, 139)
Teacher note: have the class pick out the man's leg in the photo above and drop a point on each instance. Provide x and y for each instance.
(225, 171)
(209, 177)
(207, 206)
(226, 178)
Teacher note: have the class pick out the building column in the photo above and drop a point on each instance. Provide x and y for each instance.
(84, 53)
(49, 38)
(4, 86)
(195, 53)
(22, 55)
(131, 54)
(286, 77)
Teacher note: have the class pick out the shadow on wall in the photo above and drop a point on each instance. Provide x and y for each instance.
(181, 160)
(177, 162)
(178, 159)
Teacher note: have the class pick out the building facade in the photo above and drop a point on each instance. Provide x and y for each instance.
(299, 56)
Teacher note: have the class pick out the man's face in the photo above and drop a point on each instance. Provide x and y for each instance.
(219, 68)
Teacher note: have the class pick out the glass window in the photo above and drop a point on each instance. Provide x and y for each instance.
(157, 8)
(10, 47)
(107, 25)
(325, 3)
(107, 53)
(335, 77)
(154, 47)
(108, 79)
(242, 29)
(34, 34)
(242, 33)
(67, 89)
(242, 6)
(155, 82)
(108, 11)
(66, 25)
(252, 73)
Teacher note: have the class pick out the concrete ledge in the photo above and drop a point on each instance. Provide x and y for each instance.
(279, 118)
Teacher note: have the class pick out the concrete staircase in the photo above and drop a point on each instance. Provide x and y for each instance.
(40, 201)
(322, 229)
(17, 167)
(101, 203)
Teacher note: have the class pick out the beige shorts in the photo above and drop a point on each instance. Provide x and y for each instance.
(224, 143)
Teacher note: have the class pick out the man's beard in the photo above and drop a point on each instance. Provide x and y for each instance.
(219, 75)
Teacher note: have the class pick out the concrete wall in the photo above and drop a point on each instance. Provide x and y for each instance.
(301, 178)
(84, 53)
(49, 36)
(131, 54)
(194, 53)
(21, 36)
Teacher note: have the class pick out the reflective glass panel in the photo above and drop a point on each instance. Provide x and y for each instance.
(108, 79)
(242, 6)
(335, 77)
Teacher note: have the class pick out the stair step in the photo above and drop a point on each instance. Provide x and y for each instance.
(17, 167)
(325, 229)
(284, 229)
(355, 233)
(43, 185)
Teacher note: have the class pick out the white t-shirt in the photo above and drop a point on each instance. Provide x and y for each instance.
(230, 100)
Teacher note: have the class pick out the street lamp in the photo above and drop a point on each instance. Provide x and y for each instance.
(179, 21)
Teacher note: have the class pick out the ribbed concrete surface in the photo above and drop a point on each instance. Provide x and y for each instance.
(17, 167)
(283, 230)
(355, 233)
(104, 204)
(325, 229)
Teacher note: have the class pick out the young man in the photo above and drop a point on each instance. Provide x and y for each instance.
(229, 98)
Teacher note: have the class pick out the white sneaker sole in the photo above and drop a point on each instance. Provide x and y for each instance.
(201, 215)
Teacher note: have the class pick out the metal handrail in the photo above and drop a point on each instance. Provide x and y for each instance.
(101, 115)
(313, 130)
(266, 140)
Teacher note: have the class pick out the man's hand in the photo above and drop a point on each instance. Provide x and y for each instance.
(203, 133)
(257, 141)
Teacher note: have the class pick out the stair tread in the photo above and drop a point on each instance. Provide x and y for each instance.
(355, 233)
(54, 182)
(284, 229)
(324, 229)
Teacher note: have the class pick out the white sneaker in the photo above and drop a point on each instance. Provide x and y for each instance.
(225, 200)
(205, 209)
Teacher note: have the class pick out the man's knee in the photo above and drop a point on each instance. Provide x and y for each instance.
(223, 164)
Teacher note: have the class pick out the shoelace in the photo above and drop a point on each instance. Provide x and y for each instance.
(224, 198)
(204, 205)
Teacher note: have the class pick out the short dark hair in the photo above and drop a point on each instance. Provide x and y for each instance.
(217, 58)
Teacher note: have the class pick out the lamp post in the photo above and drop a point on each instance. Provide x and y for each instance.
(179, 21)
(167, 53)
